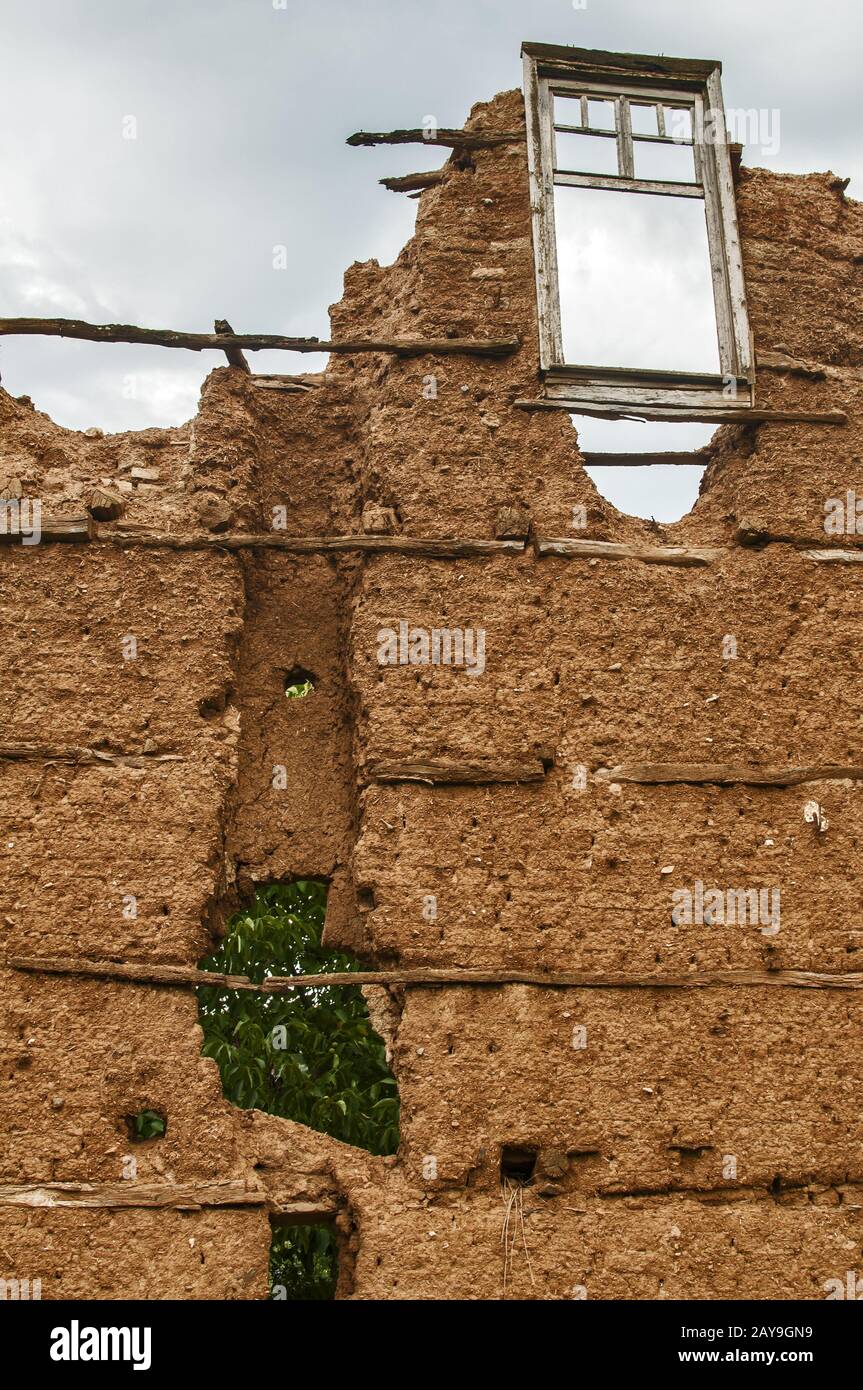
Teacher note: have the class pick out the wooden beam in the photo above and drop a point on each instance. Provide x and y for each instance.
(796, 366)
(596, 62)
(443, 547)
(435, 547)
(52, 528)
(301, 1213)
(613, 550)
(450, 138)
(136, 972)
(836, 557)
(782, 362)
(743, 415)
(729, 774)
(173, 1196)
(679, 457)
(66, 753)
(301, 381)
(627, 184)
(413, 183)
(426, 977)
(448, 773)
(254, 342)
(236, 357)
(276, 383)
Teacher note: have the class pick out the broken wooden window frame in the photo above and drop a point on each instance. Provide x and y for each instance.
(640, 80)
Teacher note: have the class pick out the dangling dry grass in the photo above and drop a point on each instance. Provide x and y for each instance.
(513, 1227)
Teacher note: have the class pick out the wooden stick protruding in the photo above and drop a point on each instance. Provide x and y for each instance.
(254, 342)
(448, 137)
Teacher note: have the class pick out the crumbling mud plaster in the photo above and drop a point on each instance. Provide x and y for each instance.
(690, 1142)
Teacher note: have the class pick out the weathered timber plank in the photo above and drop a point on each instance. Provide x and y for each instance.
(444, 773)
(413, 183)
(135, 972)
(614, 550)
(176, 1196)
(455, 139)
(305, 545)
(835, 557)
(51, 528)
(253, 342)
(729, 774)
(67, 753)
(188, 977)
(679, 457)
(742, 415)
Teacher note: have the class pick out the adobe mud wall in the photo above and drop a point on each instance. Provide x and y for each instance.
(636, 1097)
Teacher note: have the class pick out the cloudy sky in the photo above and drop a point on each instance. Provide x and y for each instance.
(239, 111)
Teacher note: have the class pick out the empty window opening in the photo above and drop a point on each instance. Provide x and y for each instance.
(299, 683)
(146, 1124)
(635, 284)
(304, 1262)
(517, 1163)
(633, 480)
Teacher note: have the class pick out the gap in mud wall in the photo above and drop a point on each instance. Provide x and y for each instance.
(304, 1262)
(662, 492)
(310, 1055)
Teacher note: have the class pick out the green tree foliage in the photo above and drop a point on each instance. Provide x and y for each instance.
(309, 1055)
(304, 1263)
(147, 1124)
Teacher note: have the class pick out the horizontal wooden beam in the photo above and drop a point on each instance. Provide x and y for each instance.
(443, 547)
(836, 557)
(83, 528)
(135, 972)
(678, 457)
(301, 382)
(796, 366)
(593, 61)
(685, 555)
(52, 528)
(575, 979)
(173, 1196)
(67, 753)
(662, 187)
(428, 977)
(254, 342)
(322, 1211)
(413, 183)
(447, 773)
(448, 137)
(729, 774)
(742, 415)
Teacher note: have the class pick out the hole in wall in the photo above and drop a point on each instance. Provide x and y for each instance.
(215, 703)
(146, 1124)
(310, 1054)
(517, 1163)
(304, 1262)
(299, 683)
(661, 492)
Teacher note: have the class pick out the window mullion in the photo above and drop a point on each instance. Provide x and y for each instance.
(625, 155)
